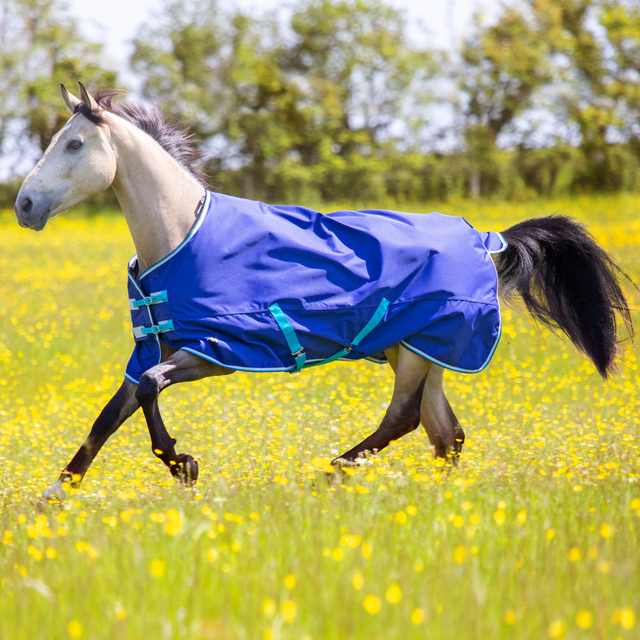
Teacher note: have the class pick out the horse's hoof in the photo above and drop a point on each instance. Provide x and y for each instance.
(338, 476)
(186, 470)
(54, 494)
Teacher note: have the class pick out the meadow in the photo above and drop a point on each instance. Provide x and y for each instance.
(534, 535)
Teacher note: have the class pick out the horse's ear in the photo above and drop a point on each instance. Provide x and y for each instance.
(70, 101)
(86, 98)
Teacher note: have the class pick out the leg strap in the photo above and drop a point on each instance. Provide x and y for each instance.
(297, 351)
(289, 335)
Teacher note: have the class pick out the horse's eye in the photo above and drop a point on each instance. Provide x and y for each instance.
(74, 144)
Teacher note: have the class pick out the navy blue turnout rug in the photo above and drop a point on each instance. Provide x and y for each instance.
(259, 287)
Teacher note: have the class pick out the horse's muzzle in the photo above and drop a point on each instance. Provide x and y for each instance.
(30, 215)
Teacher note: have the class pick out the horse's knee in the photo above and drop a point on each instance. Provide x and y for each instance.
(148, 389)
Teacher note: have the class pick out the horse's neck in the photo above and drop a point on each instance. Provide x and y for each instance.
(158, 197)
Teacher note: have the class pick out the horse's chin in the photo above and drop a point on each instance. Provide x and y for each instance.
(36, 224)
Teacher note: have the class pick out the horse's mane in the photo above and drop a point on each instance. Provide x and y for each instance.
(174, 138)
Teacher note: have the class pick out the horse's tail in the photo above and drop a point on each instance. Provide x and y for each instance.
(567, 282)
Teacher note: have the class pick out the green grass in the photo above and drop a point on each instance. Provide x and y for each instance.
(535, 535)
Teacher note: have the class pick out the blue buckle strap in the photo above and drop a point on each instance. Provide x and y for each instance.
(372, 324)
(295, 347)
(366, 330)
(297, 351)
(161, 327)
(154, 298)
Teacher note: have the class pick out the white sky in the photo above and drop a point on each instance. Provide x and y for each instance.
(115, 23)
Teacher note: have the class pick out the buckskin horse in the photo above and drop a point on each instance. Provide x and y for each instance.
(221, 284)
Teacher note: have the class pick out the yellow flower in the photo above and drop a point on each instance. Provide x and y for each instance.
(174, 523)
(499, 516)
(509, 616)
(557, 629)
(574, 554)
(459, 554)
(288, 610)
(350, 540)
(417, 616)
(627, 618)
(394, 594)
(401, 517)
(75, 629)
(358, 580)
(606, 531)
(290, 581)
(268, 607)
(157, 568)
(371, 604)
(584, 619)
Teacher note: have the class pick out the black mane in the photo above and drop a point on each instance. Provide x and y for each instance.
(171, 136)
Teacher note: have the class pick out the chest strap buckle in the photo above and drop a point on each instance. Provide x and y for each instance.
(161, 327)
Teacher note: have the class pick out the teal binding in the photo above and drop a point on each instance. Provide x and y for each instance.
(290, 336)
(297, 351)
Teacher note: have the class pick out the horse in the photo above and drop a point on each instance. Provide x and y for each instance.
(565, 279)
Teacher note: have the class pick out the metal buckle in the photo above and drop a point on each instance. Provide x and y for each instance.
(154, 298)
(161, 327)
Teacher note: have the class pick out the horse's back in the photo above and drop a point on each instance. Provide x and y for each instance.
(328, 273)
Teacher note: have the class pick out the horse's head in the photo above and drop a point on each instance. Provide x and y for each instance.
(80, 162)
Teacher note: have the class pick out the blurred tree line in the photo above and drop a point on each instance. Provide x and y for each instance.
(341, 100)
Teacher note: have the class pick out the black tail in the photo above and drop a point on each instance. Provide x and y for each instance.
(568, 282)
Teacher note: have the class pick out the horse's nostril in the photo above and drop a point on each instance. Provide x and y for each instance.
(26, 205)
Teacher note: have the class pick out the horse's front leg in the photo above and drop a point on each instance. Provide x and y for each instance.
(118, 409)
(180, 367)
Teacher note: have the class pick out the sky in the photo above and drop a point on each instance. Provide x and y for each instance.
(446, 20)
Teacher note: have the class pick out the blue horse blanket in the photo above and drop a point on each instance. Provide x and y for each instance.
(259, 287)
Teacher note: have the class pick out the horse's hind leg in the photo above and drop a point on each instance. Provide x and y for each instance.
(437, 417)
(179, 367)
(403, 413)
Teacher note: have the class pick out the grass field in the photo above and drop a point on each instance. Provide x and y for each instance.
(535, 535)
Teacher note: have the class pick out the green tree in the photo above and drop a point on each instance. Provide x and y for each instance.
(595, 54)
(362, 74)
(39, 47)
(283, 106)
(220, 72)
(503, 66)
(622, 23)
